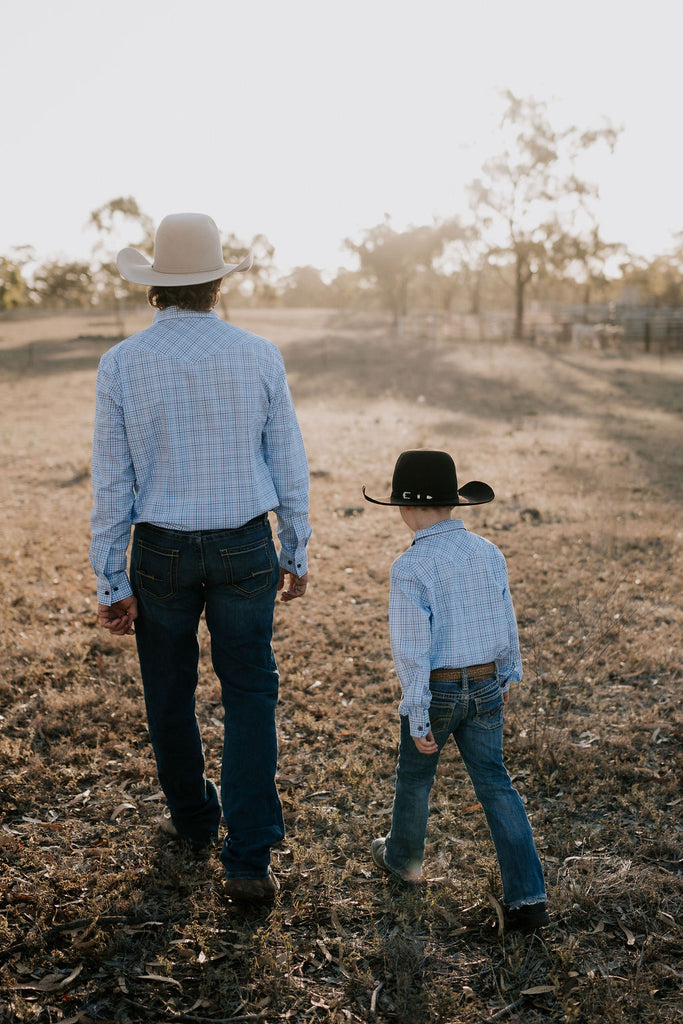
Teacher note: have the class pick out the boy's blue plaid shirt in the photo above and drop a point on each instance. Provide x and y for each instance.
(449, 607)
(194, 430)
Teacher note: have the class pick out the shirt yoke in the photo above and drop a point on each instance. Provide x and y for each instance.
(189, 342)
(457, 547)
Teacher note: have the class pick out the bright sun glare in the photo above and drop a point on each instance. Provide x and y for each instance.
(308, 122)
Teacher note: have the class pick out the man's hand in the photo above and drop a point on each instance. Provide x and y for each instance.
(426, 744)
(119, 617)
(296, 585)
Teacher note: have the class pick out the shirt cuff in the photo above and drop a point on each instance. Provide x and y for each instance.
(509, 672)
(295, 563)
(418, 721)
(109, 591)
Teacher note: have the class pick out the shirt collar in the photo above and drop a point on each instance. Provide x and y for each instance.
(176, 313)
(445, 526)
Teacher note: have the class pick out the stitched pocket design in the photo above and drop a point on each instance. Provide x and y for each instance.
(156, 571)
(490, 710)
(250, 568)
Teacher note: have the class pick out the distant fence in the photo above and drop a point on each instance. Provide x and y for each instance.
(598, 327)
(438, 326)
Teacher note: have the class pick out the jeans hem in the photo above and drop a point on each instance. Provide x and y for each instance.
(530, 901)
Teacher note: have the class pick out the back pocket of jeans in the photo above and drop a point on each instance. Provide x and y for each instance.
(156, 571)
(250, 568)
(489, 712)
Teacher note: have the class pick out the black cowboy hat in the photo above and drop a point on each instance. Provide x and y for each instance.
(426, 478)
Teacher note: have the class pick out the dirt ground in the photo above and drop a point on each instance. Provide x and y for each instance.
(102, 919)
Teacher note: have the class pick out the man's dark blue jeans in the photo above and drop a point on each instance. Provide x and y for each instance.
(232, 575)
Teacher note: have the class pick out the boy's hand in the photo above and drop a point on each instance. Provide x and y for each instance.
(426, 744)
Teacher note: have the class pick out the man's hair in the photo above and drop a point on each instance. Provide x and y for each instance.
(197, 297)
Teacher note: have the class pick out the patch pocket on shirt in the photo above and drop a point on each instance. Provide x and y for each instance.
(250, 569)
(441, 711)
(156, 571)
(489, 712)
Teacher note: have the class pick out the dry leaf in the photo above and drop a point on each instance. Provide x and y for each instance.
(324, 950)
(159, 977)
(52, 982)
(499, 914)
(537, 990)
(80, 799)
(630, 937)
(373, 999)
(120, 809)
(335, 921)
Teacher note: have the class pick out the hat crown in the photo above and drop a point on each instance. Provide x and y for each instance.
(425, 476)
(187, 243)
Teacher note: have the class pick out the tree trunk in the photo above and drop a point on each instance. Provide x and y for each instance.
(475, 294)
(520, 283)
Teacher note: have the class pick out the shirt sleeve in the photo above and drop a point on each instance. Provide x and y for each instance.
(285, 457)
(410, 630)
(113, 479)
(510, 666)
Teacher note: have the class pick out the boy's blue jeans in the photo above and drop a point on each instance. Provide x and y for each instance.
(232, 575)
(473, 714)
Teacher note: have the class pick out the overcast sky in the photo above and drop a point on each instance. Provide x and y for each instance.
(308, 120)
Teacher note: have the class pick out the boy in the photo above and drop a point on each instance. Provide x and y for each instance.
(456, 651)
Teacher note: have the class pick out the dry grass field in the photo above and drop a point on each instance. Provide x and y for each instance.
(101, 919)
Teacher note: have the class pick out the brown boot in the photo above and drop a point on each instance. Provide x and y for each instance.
(251, 890)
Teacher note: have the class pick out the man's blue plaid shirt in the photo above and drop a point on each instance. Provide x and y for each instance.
(449, 607)
(194, 430)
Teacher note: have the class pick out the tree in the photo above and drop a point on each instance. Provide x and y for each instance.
(63, 284)
(123, 214)
(346, 289)
(459, 266)
(119, 223)
(532, 191)
(585, 258)
(259, 283)
(390, 260)
(659, 280)
(14, 291)
(304, 286)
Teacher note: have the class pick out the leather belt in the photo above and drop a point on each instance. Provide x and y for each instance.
(454, 675)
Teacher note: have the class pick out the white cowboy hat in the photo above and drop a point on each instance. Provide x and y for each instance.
(187, 250)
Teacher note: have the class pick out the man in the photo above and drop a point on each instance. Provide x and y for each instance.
(195, 441)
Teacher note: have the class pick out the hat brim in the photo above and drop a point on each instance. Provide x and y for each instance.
(474, 493)
(135, 267)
